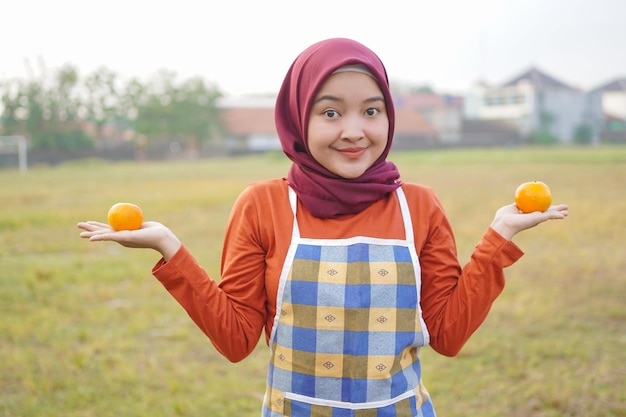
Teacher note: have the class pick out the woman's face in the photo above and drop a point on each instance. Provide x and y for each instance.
(348, 124)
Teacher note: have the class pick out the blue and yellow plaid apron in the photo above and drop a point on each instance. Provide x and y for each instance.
(348, 328)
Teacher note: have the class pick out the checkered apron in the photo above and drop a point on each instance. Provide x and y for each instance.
(348, 328)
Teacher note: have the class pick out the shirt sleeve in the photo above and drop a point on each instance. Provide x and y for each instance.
(231, 313)
(455, 301)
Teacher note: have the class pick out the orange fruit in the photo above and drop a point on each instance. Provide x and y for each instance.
(533, 196)
(125, 216)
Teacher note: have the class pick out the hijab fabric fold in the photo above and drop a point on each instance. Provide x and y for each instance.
(323, 193)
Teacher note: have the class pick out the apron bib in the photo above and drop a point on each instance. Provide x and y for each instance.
(348, 328)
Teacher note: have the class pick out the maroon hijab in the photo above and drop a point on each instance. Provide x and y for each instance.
(323, 193)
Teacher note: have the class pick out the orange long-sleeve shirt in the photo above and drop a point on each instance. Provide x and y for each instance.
(234, 312)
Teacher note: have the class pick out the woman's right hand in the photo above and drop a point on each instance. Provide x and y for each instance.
(151, 235)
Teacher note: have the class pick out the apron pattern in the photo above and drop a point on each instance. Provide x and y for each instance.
(348, 329)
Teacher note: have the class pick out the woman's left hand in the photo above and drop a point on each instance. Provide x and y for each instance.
(509, 220)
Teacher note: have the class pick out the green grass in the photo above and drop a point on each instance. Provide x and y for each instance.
(85, 330)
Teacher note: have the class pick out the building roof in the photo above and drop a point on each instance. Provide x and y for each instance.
(428, 100)
(411, 121)
(538, 79)
(615, 85)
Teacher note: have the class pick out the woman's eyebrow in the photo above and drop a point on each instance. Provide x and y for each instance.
(326, 97)
(335, 98)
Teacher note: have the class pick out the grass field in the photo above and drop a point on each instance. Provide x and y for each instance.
(85, 330)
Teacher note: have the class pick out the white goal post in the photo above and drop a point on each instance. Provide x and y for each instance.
(15, 145)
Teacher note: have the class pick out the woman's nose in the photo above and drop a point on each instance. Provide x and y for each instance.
(352, 129)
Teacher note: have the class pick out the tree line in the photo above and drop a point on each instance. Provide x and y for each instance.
(66, 112)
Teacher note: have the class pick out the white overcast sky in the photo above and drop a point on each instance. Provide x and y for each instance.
(246, 46)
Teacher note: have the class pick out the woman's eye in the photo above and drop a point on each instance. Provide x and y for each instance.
(331, 113)
(371, 111)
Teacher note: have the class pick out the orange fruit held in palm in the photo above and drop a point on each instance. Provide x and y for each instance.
(533, 196)
(125, 216)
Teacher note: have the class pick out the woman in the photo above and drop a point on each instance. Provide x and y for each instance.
(347, 269)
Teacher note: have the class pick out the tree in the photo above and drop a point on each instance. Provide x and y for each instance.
(57, 112)
(583, 135)
(102, 103)
(184, 112)
(13, 112)
(46, 111)
(543, 135)
(56, 109)
(195, 114)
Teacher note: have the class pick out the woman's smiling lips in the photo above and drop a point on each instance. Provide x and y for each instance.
(352, 153)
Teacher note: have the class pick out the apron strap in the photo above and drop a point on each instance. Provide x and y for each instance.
(293, 201)
(406, 215)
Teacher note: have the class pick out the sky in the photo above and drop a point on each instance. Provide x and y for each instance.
(246, 46)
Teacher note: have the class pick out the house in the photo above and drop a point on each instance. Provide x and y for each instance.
(248, 124)
(413, 131)
(535, 102)
(444, 113)
(612, 96)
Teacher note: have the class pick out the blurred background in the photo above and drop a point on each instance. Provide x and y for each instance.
(161, 80)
